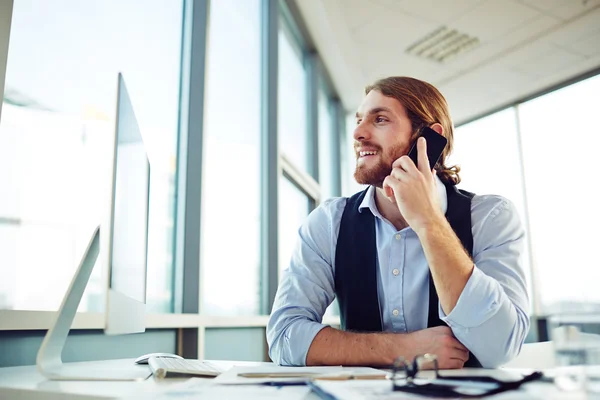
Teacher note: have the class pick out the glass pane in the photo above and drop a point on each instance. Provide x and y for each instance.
(349, 184)
(560, 145)
(293, 210)
(487, 152)
(292, 112)
(325, 132)
(57, 122)
(231, 172)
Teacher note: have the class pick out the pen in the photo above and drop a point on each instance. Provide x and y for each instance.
(277, 375)
(284, 383)
(347, 377)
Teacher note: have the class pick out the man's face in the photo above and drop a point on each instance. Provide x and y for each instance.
(382, 135)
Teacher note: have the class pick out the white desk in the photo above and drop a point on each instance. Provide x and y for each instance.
(26, 383)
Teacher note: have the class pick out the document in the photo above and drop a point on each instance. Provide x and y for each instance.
(359, 390)
(199, 388)
(261, 375)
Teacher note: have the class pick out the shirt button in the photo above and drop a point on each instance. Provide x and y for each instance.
(395, 312)
(396, 271)
(398, 236)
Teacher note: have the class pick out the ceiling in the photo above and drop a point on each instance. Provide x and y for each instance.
(526, 46)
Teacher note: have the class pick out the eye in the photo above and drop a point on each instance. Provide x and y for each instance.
(358, 121)
(380, 119)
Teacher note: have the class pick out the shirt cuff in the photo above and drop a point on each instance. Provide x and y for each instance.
(478, 302)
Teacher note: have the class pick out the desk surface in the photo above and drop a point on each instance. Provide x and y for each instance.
(27, 383)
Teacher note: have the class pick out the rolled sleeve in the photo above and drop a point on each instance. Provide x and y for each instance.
(306, 288)
(480, 290)
(490, 317)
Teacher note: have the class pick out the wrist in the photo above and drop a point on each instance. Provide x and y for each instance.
(434, 223)
(394, 345)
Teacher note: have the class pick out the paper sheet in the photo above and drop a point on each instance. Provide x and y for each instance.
(198, 388)
(276, 373)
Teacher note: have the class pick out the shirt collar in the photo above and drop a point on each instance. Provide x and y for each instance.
(369, 199)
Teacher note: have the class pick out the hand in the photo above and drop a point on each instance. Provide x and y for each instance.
(451, 354)
(414, 189)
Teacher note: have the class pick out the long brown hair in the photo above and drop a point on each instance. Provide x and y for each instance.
(425, 106)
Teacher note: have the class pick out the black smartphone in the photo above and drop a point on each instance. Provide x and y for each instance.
(436, 144)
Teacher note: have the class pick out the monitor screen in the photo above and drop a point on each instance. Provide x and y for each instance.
(129, 226)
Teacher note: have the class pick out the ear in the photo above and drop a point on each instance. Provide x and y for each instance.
(438, 128)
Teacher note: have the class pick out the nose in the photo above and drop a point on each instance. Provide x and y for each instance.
(361, 132)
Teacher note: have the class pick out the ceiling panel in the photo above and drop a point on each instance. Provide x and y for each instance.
(357, 12)
(576, 30)
(549, 63)
(391, 32)
(546, 6)
(493, 18)
(572, 8)
(587, 46)
(443, 12)
(497, 49)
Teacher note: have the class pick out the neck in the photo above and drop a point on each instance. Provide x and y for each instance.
(389, 209)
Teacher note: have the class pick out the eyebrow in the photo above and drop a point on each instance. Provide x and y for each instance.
(375, 110)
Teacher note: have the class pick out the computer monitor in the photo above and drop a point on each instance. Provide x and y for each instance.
(122, 240)
(5, 20)
(127, 242)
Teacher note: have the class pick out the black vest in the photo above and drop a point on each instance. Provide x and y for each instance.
(356, 263)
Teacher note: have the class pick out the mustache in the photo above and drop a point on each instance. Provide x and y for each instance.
(366, 144)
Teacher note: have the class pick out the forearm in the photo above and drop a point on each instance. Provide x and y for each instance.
(449, 263)
(334, 347)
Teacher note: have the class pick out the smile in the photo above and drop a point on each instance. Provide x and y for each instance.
(367, 153)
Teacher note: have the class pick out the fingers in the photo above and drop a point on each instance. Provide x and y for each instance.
(390, 184)
(406, 164)
(452, 364)
(422, 155)
(459, 355)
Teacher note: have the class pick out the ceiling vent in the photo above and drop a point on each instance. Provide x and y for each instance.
(443, 44)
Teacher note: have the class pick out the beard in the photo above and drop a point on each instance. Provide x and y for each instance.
(375, 174)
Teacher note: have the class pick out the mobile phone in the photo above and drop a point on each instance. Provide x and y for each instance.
(436, 144)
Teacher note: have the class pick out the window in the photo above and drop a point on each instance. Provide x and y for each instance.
(487, 151)
(59, 102)
(349, 184)
(560, 146)
(325, 133)
(230, 250)
(292, 102)
(294, 207)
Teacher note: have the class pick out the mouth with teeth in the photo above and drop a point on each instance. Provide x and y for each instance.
(363, 155)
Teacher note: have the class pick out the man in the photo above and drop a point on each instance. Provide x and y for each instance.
(417, 266)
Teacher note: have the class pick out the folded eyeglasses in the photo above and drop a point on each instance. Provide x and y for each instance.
(412, 378)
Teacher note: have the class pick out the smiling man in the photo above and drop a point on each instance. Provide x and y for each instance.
(417, 265)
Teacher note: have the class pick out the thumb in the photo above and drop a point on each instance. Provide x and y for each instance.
(422, 155)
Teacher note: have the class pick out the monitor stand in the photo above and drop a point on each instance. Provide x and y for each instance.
(49, 357)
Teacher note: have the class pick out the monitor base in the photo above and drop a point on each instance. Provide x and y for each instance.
(96, 371)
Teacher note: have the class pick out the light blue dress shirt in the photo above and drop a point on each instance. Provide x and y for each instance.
(490, 317)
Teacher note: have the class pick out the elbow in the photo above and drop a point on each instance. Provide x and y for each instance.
(274, 339)
(278, 342)
(506, 347)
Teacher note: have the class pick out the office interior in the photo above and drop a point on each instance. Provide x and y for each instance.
(247, 111)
